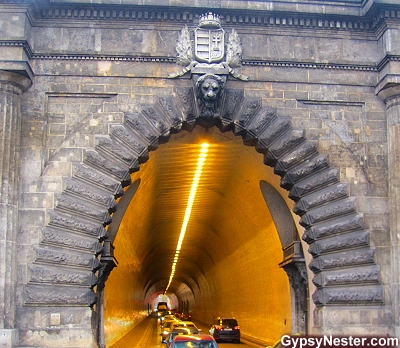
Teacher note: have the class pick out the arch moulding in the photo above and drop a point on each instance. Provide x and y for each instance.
(345, 272)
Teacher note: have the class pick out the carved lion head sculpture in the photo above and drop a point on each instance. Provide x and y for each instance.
(209, 91)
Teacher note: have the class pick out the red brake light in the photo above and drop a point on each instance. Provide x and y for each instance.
(218, 327)
(237, 327)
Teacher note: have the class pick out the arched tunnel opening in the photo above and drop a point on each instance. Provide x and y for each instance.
(232, 259)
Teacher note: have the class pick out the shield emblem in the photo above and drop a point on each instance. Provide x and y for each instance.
(209, 45)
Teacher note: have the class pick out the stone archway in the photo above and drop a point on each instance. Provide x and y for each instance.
(343, 260)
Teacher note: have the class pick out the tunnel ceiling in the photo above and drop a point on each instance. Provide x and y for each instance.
(227, 212)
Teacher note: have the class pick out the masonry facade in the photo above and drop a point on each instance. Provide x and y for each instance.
(86, 91)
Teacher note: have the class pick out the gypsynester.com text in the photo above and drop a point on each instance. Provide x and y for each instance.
(329, 341)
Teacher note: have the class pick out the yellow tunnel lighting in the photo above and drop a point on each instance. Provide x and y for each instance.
(195, 183)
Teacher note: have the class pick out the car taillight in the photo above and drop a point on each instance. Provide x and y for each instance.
(236, 328)
(218, 327)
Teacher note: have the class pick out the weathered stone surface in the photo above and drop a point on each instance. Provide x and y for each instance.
(305, 169)
(232, 100)
(95, 177)
(331, 193)
(114, 150)
(366, 275)
(81, 207)
(283, 145)
(67, 257)
(342, 259)
(60, 276)
(76, 223)
(100, 101)
(339, 243)
(245, 115)
(67, 239)
(355, 296)
(347, 223)
(277, 128)
(323, 179)
(107, 166)
(131, 141)
(329, 211)
(82, 190)
(186, 98)
(296, 156)
(58, 296)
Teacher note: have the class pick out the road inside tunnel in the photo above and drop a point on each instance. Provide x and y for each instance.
(229, 260)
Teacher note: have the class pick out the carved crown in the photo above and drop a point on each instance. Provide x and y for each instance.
(209, 20)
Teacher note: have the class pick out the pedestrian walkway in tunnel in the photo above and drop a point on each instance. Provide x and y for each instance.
(145, 334)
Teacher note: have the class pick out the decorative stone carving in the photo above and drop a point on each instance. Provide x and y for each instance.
(187, 100)
(108, 167)
(60, 275)
(340, 242)
(108, 261)
(324, 178)
(283, 145)
(167, 104)
(139, 125)
(347, 223)
(209, 51)
(97, 178)
(58, 296)
(67, 258)
(259, 122)
(71, 240)
(72, 222)
(232, 101)
(329, 211)
(248, 110)
(304, 170)
(364, 295)
(79, 189)
(367, 275)
(271, 133)
(209, 61)
(209, 88)
(75, 205)
(131, 141)
(331, 193)
(116, 151)
(302, 152)
(342, 259)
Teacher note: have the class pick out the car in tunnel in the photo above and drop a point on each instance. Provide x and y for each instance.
(186, 324)
(225, 329)
(166, 328)
(174, 332)
(194, 341)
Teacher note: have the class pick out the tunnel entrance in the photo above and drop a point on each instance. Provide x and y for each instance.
(230, 256)
(104, 207)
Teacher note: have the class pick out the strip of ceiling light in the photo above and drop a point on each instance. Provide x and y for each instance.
(195, 183)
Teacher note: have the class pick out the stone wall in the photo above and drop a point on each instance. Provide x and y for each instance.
(327, 72)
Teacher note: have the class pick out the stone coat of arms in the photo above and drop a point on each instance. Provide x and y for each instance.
(210, 54)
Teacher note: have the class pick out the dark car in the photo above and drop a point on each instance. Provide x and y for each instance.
(225, 329)
(193, 341)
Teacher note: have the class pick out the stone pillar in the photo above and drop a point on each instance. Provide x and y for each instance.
(12, 85)
(391, 97)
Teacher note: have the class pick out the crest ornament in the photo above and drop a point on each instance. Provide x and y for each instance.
(210, 54)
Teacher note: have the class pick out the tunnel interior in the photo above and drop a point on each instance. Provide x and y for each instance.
(228, 263)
